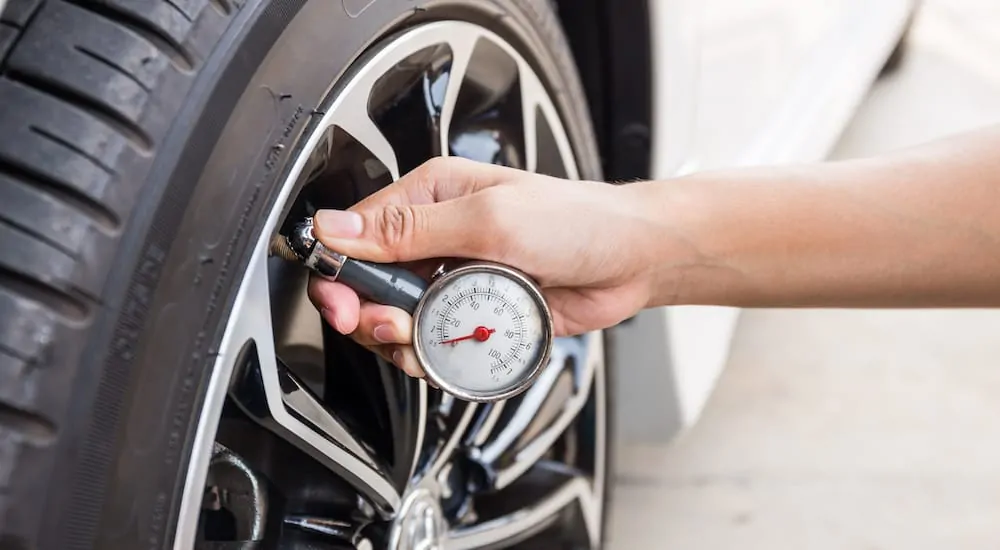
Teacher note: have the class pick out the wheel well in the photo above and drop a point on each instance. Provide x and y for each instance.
(611, 44)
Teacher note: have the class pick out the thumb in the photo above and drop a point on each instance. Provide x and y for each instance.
(392, 233)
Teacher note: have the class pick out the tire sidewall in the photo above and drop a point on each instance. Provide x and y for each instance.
(213, 207)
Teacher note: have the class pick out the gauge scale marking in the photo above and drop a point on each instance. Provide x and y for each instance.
(482, 332)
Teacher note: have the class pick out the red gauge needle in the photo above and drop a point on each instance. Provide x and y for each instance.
(481, 333)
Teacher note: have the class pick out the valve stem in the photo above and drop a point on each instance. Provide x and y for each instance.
(298, 245)
(283, 250)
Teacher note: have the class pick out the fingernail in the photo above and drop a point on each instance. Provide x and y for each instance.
(339, 223)
(397, 358)
(383, 334)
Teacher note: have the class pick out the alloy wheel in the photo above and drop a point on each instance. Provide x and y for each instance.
(306, 438)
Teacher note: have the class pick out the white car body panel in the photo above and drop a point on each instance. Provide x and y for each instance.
(739, 83)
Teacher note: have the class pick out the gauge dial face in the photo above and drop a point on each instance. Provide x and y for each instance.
(481, 331)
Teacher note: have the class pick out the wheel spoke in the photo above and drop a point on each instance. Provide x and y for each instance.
(536, 102)
(270, 394)
(252, 322)
(407, 399)
(352, 105)
(422, 416)
(484, 428)
(462, 46)
(350, 114)
(511, 528)
(362, 128)
(531, 89)
(543, 413)
(443, 446)
(343, 532)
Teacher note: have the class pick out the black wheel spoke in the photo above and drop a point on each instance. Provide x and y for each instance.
(483, 427)
(513, 527)
(461, 54)
(347, 533)
(451, 418)
(535, 420)
(407, 400)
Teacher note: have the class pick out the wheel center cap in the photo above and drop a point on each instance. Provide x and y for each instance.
(420, 524)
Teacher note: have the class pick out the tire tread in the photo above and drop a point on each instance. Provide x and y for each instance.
(160, 24)
(87, 89)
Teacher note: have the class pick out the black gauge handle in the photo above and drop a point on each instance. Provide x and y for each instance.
(385, 284)
(382, 283)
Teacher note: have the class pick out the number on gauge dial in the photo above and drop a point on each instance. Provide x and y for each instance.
(480, 332)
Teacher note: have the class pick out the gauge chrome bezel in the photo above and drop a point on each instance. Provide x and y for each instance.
(541, 360)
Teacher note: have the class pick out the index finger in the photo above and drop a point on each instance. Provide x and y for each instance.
(438, 180)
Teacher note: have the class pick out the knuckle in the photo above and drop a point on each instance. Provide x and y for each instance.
(436, 166)
(493, 211)
(430, 174)
(394, 227)
(496, 206)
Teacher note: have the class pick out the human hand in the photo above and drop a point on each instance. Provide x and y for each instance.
(583, 242)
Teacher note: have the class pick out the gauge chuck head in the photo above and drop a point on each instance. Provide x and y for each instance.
(386, 284)
(301, 245)
(301, 239)
(298, 245)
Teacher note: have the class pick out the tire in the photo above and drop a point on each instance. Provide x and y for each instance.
(143, 141)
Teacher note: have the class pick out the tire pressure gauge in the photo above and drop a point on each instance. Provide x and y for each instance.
(481, 332)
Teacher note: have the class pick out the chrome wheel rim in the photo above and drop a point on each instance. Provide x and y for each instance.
(448, 464)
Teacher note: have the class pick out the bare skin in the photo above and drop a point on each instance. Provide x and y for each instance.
(918, 228)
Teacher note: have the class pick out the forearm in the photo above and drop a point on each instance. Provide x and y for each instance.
(917, 229)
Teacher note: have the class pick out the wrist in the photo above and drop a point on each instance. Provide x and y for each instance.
(679, 261)
(654, 248)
